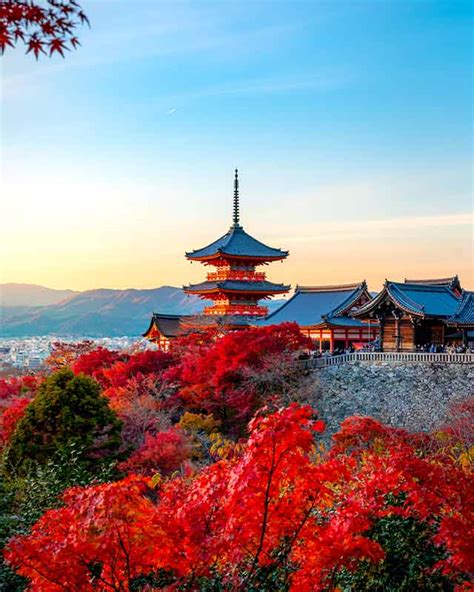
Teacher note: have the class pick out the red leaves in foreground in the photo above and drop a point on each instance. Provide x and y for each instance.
(40, 25)
(272, 507)
(99, 526)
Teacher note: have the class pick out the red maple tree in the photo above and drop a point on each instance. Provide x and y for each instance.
(15, 395)
(164, 453)
(275, 514)
(218, 375)
(43, 27)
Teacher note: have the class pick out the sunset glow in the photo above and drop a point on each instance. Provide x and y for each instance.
(354, 156)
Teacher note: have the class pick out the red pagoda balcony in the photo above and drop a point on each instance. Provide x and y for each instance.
(233, 274)
(236, 309)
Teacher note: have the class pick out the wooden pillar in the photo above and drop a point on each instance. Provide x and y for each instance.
(398, 338)
(331, 341)
(381, 320)
(320, 340)
(346, 341)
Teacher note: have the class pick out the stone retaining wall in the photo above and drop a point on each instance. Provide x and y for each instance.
(413, 396)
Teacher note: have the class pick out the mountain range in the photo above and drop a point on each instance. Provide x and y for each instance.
(28, 310)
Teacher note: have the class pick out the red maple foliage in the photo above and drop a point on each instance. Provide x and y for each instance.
(15, 394)
(273, 510)
(15, 386)
(42, 26)
(95, 362)
(214, 375)
(133, 385)
(65, 354)
(95, 542)
(113, 370)
(162, 453)
(11, 416)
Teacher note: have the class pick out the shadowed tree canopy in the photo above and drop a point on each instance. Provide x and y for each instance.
(67, 409)
(46, 26)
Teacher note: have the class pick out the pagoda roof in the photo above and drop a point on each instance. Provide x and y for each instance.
(237, 286)
(167, 324)
(422, 300)
(464, 314)
(237, 243)
(317, 305)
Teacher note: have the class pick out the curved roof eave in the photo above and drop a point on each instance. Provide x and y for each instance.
(351, 299)
(465, 309)
(389, 290)
(220, 253)
(403, 301)
(237, 243)
(236, 286)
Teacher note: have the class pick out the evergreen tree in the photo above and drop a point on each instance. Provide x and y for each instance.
(67, 410)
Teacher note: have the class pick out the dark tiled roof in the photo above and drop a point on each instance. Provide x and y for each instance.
(464, 314)
(450, 282)
(238, 286)
(313, 305)
(237, 242)
(345, 321)
(167, 324)
(430, 300)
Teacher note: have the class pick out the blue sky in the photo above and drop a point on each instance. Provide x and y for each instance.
(351, 124)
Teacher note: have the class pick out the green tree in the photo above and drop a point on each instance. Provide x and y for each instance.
(24, 500)
(409, 559)
(67, 410)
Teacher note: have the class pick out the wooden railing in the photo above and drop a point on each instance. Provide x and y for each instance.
(406, 357)
(236, 309)
(235, 274)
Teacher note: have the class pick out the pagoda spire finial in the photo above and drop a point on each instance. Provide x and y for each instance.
(236, 198)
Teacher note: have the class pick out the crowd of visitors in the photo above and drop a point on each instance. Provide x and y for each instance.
(375, 347)
(438, 348)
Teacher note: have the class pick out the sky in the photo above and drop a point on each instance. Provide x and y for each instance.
(350, 123)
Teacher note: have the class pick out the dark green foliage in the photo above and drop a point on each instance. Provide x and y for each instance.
(24, 500)
(67, 410)
(157, 580)
(67, 436)
(410, 557)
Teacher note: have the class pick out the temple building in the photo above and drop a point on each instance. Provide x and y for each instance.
(164, 328)
(463, 320)
(234, 285)
(323, 314)
(413, 313)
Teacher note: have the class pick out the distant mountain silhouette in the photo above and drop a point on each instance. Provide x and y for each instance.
(95, 313)
(31, 295)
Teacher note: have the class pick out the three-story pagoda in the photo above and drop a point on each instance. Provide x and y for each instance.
(234, 285)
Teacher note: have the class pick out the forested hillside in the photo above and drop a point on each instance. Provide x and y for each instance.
(205, 468)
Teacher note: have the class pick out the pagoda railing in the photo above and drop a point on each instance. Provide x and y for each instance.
(247, 276)
(237, 310)
(404, 357)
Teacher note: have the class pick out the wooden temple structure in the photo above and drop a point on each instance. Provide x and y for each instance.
(234, 286)
(324, 314)
(463, 320)
(164, 328)
(403, 316)
(414, 313)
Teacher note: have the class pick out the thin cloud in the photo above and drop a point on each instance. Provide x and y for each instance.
(307, 82)
(366, 227)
